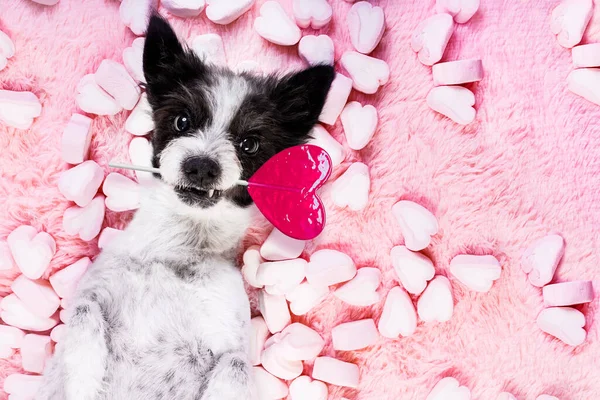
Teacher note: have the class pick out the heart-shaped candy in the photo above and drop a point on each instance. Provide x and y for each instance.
(312, 13)
(209, 48)
(133, 59)
(21, 386)
(108, 235)
(274, 25)
(252, 260)
(569, 20)
(449, 389)
(35, 351)
(367, 73)
(7, 49)
(15, 313)
(541, 259)
(457, 72)
(336, 372)
(304, 388)
(366, 25)
(7, 262)
(455, 102)
(296, 174)
(316, 49)
(568, 293)
(140, 153)
(461, 10)
(122, 194)
(37, 295)
(76, 139)
(275, 363)
(354, 335)
(140, 120)
(586, 55)
(305, 297)
(225, 12)
(413, 269)
(399, 316)
(31, 251)
(329, 267)
(564, 323)
(58, 333)
(258, 336)
(135, 14)
(585, 82)
(337, 97)
(116, 81)
(431, 37)
(274, 310)
(322, 138)
(93, 99)
(11, 336)
(80, 183)
(281, 277)
(359, 124)
(65, 281)
(267, 385)
(18, 109)
(184, 8)
(85, 222)
(361, 291)
(352, 188)
(478, 273)
(436, 302)
(298, 342)
(279, 247)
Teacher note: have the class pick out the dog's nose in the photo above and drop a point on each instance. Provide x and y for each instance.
(202, 171)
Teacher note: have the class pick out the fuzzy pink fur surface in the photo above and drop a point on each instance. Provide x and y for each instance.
(529, 164)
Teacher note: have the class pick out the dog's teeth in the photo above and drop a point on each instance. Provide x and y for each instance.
(211, 192)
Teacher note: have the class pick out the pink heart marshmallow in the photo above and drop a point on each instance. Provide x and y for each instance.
(258, 336)
(122, 194)
(279, 247)
(413, 269)
(455, 102)
(225, 12)
(461, 10)
(457, 72)
(329, 267)
(569, 20)
(361, 291)
(568, 293)
(449, 388)
(108, 235)
(15, 312)
(140, 120)
(81, 183)
(352, 188)
(31, 251)
(360, 124)
(274, 310)
(19, 109)
(304, 388)
(399, 316)
(354, 335)
(312, 13)
(274, 25)
(140, 153)
(85, 222)
(367, 73)
(564, 323)
(135, 14)
(431, 37)
(23, 386)
(336, 99)
(305, 297)
(322, 138)
(132, 59)
(184, 8)
(76, 139)
(366, 25)
(35, 351)
(541, 259)
(281, 277)
(92, 99)
(267, 385)
(38, 296)
(336, 372)
(316, 50)
(65, 281)
(478, 273)
(7, 49)
(116, 81)
(585, 82)
(436, 302)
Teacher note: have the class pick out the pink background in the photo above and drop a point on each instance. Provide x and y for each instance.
(528, 165)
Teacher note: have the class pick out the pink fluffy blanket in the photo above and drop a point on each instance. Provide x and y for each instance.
(528, 164)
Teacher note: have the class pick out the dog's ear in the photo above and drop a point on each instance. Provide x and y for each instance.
(299, 97)
(165, 59)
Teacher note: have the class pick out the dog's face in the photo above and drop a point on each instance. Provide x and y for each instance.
(214, 127)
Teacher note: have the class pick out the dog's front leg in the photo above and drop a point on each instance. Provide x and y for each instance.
(84, 352)
(230, 379)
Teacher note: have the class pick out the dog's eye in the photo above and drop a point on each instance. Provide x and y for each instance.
(250, 145)
(182, 123)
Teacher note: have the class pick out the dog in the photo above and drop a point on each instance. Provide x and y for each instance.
(162, 313)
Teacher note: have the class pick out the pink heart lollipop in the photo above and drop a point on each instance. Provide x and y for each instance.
(284, 189)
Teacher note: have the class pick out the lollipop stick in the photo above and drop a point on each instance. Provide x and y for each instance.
(152, 170)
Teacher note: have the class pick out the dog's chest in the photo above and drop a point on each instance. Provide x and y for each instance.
(168, 308)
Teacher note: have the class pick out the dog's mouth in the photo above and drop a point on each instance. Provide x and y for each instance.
(198, 197)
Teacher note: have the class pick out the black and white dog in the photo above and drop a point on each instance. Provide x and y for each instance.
(162, 313)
